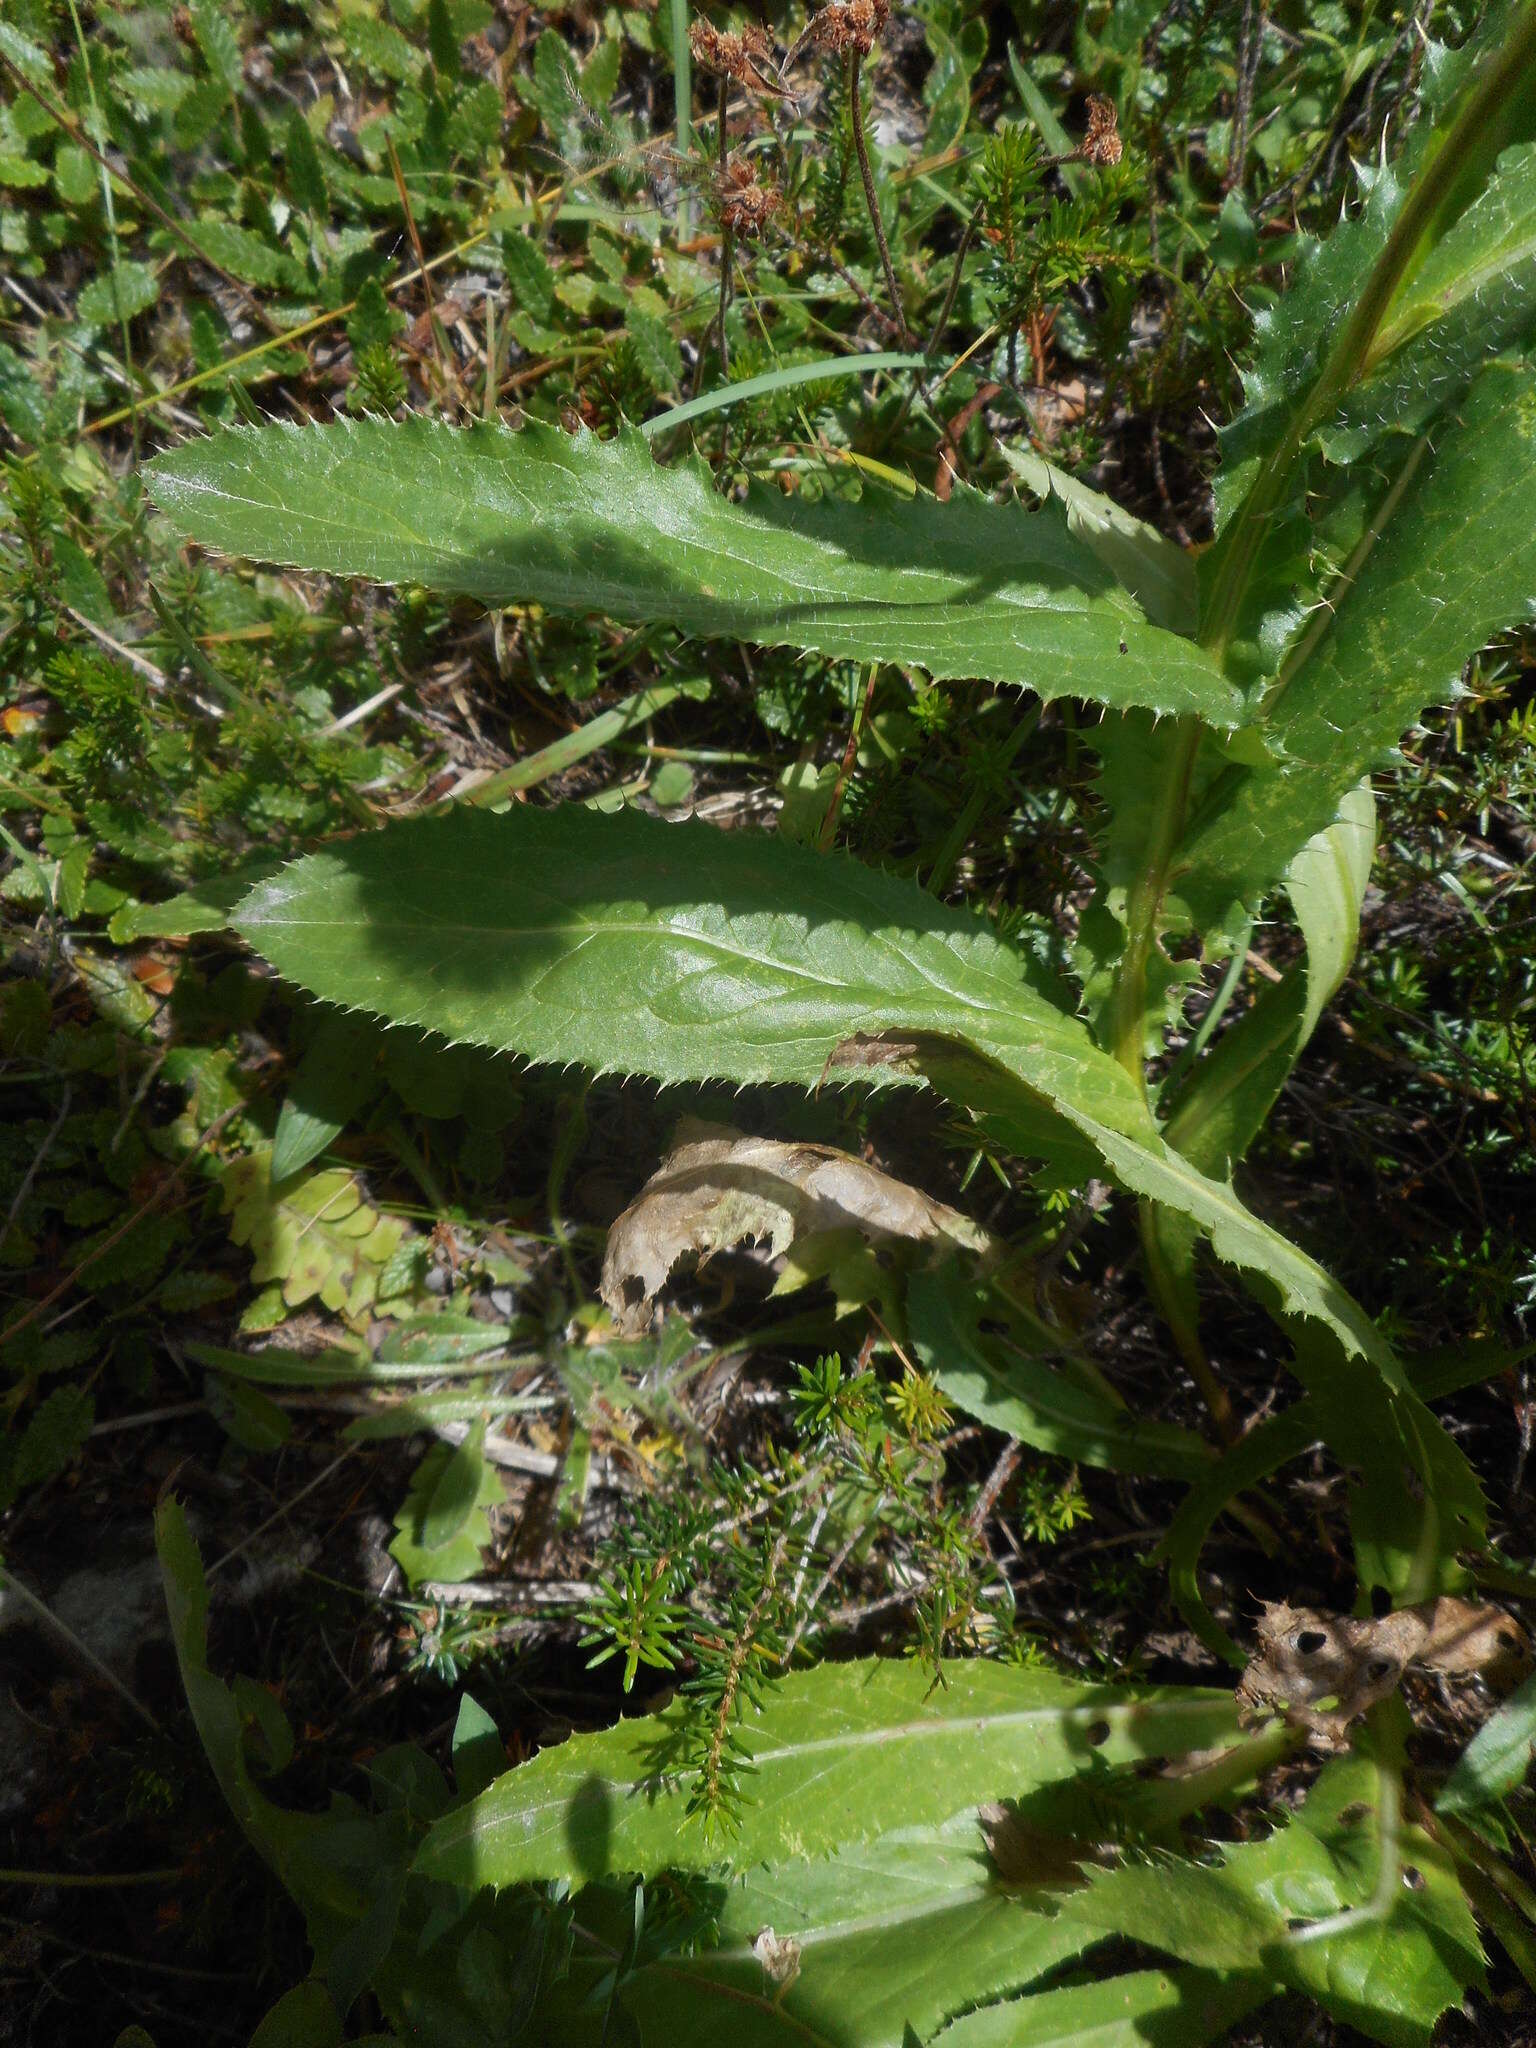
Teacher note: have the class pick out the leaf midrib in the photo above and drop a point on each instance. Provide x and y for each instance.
(367, 512)
(931, 1905)
(1114, 1712)
(972, 1726)
(579, 935)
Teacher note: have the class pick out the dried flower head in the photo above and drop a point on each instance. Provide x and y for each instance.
(1101, 145)
(746, 59)
(779, 1955)
(844, 25)
(746, 207)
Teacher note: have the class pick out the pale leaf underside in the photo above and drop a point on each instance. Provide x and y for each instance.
(720, 1187)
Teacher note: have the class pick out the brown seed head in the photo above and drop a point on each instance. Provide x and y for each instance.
(746, 59)
(746, 207)
(843, 26)
(1101, 145)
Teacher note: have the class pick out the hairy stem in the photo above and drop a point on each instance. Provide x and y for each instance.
(727, 241)
(856, 110)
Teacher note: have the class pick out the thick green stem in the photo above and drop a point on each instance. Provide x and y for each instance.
(1471, 135)
(1464, 142)
(1144, 904)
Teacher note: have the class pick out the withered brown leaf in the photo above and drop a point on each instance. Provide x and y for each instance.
(1323, 1671)
(717, 1188)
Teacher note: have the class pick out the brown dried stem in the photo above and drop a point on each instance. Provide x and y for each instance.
(845, 767)
(727, 237)
(861, 146)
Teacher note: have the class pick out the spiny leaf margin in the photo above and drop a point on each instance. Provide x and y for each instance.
(836, 1755)
(674, 951)
(963, 589)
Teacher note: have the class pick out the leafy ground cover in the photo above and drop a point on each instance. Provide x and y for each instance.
(329, 1303)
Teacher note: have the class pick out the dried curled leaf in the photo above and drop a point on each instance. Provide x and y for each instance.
(1324, 1670)
(1469, 1636)
(719, 1188)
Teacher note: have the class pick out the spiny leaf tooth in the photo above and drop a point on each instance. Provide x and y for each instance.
(388, 465)
(1258, 390)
